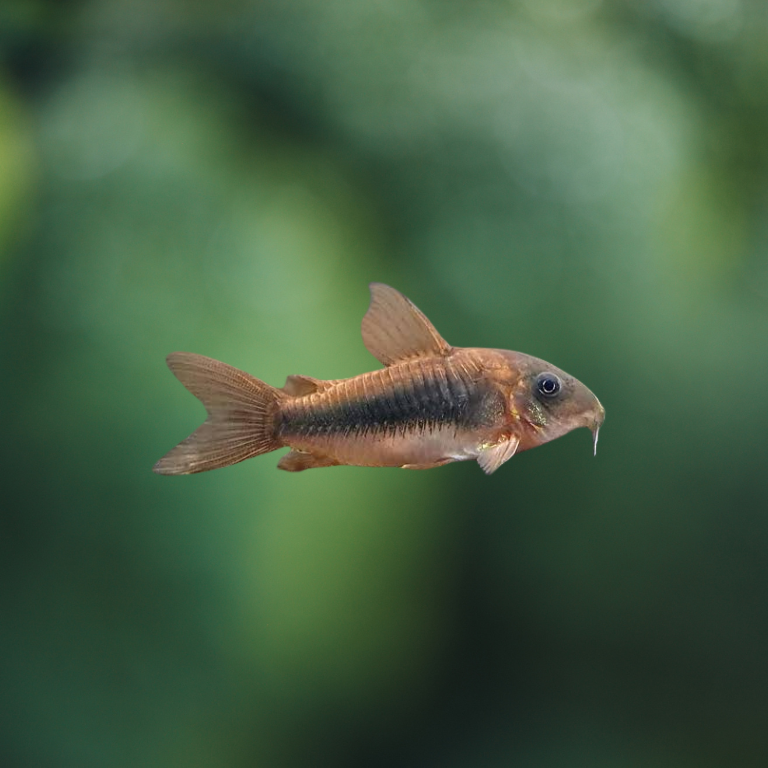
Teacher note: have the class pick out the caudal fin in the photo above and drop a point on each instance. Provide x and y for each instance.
(241, 416)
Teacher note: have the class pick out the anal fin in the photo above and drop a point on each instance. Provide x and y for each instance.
(427, 466)
(298, 461)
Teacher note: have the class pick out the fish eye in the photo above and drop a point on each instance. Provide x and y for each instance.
(548, 384)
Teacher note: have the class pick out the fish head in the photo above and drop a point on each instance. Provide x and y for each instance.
(548, 402)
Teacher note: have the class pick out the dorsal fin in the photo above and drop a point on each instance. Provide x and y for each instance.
(298, 386)
(394, 329)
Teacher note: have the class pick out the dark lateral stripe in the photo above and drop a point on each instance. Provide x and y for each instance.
(415, 404)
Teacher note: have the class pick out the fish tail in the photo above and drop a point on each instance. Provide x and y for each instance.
(242, 416)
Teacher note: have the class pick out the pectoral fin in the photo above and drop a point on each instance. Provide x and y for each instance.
(394, 329)
(490, 459)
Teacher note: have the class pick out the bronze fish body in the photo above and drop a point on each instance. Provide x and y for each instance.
(432, 404)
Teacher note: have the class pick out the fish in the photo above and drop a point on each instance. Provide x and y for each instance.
(431, 404)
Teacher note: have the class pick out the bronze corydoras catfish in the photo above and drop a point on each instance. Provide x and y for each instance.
(430, 405)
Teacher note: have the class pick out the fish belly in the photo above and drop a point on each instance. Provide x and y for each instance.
(440, 445)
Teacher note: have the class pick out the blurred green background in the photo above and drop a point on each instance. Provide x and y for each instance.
(580, 180)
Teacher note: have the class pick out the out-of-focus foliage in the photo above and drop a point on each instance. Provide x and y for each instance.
(584, 181)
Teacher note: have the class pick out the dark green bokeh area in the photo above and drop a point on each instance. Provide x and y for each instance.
(583, 181)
